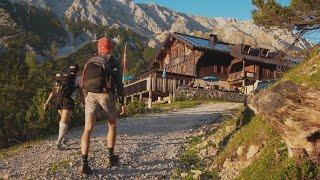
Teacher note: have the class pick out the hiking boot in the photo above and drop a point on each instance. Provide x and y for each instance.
(60, 146)
(85, 169)
(65, 141)
(112, 160)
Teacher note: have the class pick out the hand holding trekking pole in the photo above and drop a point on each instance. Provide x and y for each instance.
(82, 104)
(123, 110)
(46, 106)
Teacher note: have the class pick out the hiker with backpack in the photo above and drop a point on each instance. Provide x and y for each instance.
(102, 81)
(62, 99)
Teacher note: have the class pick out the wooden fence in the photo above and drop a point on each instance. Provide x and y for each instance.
(153, 85)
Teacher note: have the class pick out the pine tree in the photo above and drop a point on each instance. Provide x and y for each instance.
(300, 15)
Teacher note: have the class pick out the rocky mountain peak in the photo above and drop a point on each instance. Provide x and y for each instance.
(151, 20)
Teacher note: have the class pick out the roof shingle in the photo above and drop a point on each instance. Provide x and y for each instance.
(204, 43)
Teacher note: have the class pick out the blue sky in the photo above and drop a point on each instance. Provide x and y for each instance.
(239, 9)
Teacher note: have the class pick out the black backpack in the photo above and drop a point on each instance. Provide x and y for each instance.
(64, 85)
(96, 75)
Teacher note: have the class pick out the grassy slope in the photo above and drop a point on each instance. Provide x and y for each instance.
(272, 162)
(269, 165)
(307, 73)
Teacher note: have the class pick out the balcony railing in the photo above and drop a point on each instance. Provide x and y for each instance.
(235, 76)
(239, 76)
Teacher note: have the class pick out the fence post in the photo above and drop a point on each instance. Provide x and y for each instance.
(150, 100)
(125, 100)
(174, 87)
(164, 85)
(149, 88)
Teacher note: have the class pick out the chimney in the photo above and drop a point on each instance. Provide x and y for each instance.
(213, 39)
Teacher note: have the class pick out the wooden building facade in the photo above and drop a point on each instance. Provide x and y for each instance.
(239, 64)
(184, 58)
(195, 56)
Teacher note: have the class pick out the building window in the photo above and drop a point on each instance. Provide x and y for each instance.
(226, 70)
(214, 68)
(183, 68)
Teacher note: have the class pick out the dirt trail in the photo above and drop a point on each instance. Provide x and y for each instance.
(147, 146)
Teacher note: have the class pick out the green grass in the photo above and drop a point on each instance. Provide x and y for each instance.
(4, 153)
(180, 105)
(59, 165)
(269, 166)
(308, 72)
(273, 161)
(254, 132)
(189, 160)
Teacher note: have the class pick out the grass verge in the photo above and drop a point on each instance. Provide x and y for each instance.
(271, 161)
(180, 105)
(64, 164)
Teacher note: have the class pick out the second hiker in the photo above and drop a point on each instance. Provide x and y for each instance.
(62, 98)
(102, 81)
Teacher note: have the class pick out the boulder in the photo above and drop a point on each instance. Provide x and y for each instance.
(184, 175)
(240, 151)
(227, 163)
(294, 112)
(197, 174)
(253, 150)
(212, 151)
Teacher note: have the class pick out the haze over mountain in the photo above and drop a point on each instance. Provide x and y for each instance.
(152, 21)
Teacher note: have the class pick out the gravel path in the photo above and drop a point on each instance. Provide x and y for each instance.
(147, 146)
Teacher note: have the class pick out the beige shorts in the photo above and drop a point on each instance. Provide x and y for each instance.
(101, 105)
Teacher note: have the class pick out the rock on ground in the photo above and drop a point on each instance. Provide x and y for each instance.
(294, 112)
(147, 146)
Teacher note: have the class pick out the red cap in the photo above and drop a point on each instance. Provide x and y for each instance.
(104, 45)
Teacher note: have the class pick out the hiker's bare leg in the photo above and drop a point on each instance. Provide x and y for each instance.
(65, 116)
(63, 125)
(112, 133)
(85, 140)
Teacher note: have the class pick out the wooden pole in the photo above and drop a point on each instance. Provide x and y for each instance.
(150, 100)
(164, 85)
(125, 100)
(174, 88)
(244, 73)
(258, 72)
(149, 88)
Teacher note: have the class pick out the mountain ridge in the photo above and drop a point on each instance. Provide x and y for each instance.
(153, 21)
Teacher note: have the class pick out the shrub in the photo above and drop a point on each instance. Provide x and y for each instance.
(136, 107)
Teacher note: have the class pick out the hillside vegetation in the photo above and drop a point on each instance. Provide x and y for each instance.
(243, 148)
(308, 72)
(280, 142)
(139, 55)
(28, 45)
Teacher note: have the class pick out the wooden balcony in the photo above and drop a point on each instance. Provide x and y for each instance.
(235, 76)
(260, 55)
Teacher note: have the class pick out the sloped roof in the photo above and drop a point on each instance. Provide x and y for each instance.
(202, 43)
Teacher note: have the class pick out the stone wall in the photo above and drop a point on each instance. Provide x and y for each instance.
(184, 93)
